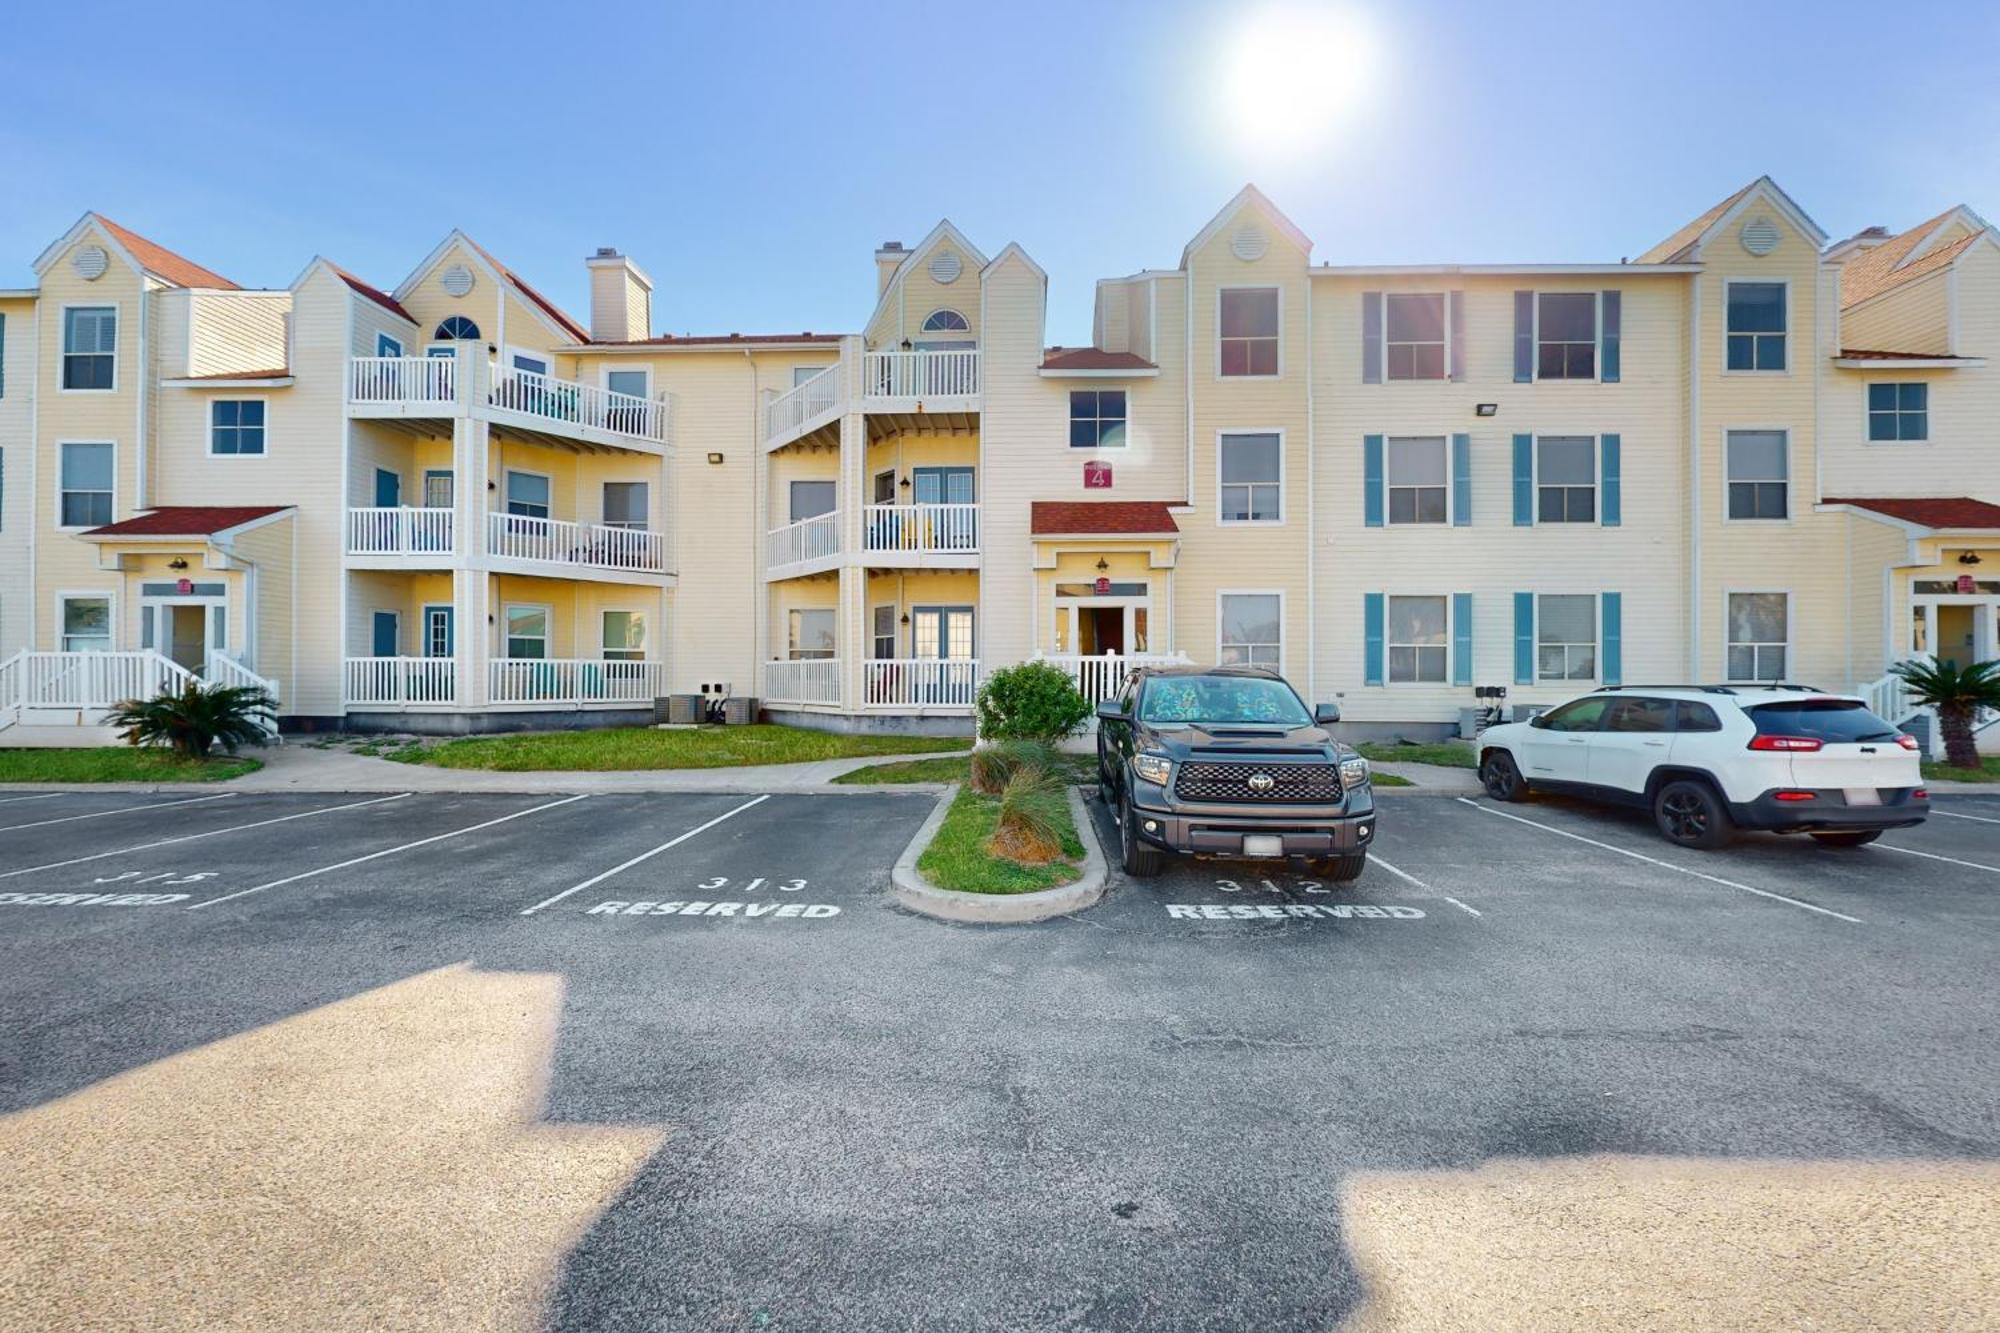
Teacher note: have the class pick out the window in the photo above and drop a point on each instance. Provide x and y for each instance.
(1413, 336)
(885, 487)
(236, 426)
(86, 485)
(454, 328)
(528, 494)
(625, 504)
(1249, 330)
(1582, 715)
(811, 634)
(624, 636)
(1566, 479)
(1757, 474)
(1251, 468)
(90, 348)
(1756, 326)
(437, 631)
(884, 632)
(1418, 641)
(86, 624)
(528, 632)
(1899, 412)
(1097, 419)
(1829, 721)
(1566, 336)
(1692, 716)
(1758, 635)
(637, 383)
(387, 346)
(1418, 474)
(945, 321)
(1251, 629)
(800, 374)
(1649, 716)
(810, 499)
(1566, 637)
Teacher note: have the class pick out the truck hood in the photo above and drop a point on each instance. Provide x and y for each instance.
(1275, 741)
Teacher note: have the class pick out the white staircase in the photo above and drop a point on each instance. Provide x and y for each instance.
(1889, 698)
(61, 699)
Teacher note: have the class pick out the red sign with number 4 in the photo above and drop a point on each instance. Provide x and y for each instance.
(1097, 476)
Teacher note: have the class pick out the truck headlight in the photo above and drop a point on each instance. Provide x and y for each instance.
(1353, 772)
(1154, 768)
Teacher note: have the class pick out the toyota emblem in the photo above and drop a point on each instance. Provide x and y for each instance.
(1262, 782)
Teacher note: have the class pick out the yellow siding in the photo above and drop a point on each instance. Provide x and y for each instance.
(264, 639)
(18, 546)
(1915, 318)
(236, 331)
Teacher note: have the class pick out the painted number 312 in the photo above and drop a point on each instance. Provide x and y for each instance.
(167, 877)
(1305, 886)
(722, 882)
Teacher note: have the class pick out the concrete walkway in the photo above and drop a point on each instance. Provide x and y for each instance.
(1431, 779)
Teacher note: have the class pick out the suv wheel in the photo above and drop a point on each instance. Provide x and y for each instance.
(1691, 814)
(1342, 869)
(1139, 860)
(1856, 839)
(1502, 778)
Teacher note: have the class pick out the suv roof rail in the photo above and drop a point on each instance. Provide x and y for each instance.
(1737, 688)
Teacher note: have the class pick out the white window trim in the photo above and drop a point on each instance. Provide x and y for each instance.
(890, 607)
(1791, 478)
(1450, 642)
(1248, 287)
(645, 653)
(1596, 676)
(943, 611)
(62, 335)
(1597, 357)
(1284, 496)
(244, 398)
(606, 371)
(1791, 324)
(1069, 419)
(923, 325)
(109, 595)
(646, 524)
(509, 352)
(507, 610)
(1450, 490)
(1284, 618)
(1596, 475)
(506, 490)
(1444, 297)
(1791, 631)
(792, 648)
(1867, 414)
(391, 339)
(59, 525)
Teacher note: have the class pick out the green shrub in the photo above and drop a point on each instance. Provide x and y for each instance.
(993, 765)
(1034, 701)
(1029, 827)
(197, 718)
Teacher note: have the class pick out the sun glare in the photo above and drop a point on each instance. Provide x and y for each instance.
(1294, 73)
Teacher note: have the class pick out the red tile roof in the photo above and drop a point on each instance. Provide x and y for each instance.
(1882, 268)
(1093, 358)
(1939, 512)
(726, 339)
(276, 372)
(187, 521)
(375, 294)
(1875, 354)
(1100, 518)
(1675, 247)
(548, 307)
(159, 260)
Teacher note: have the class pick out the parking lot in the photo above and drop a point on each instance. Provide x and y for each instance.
(1230, 1097)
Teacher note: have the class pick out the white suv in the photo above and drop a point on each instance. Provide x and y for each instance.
(1709, 759)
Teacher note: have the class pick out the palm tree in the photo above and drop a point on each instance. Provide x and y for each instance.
(197, 717)
(1957, 693)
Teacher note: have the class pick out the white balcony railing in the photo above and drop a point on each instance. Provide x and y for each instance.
(808, 539)
(573, 403)
(920, 374)
(588, 545)
(932, 528)
(801, 403)
(812, 680)
(402, 379)
(919, 682)
(400, 531)
(575, 682)
(1098, 677)
(398, 682)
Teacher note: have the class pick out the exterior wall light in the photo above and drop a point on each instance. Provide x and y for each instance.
(715, 458)
(1487, 409)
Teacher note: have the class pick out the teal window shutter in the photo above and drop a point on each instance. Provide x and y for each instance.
(1607, 477)
(1611, 315)
(1371, 480)
(1461, 638)
(1524, 638)
(1524, 481)
(1371, 337)
(1524, 337)
(1461, 481)
(1371, 633)
(1611, 659)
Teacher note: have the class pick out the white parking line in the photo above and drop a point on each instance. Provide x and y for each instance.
(386, 851)
(1953, 814)
(121, 810)
(190, 837)
(1408, 878)
(1933, 856)
(43, 796)
(643, 856)
(1664, 865)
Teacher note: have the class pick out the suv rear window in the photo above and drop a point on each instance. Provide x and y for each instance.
(1832, 720)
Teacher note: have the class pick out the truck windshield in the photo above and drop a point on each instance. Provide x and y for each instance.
(1224, 699)
(1835, 721)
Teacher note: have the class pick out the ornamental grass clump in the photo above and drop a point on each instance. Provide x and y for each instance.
(993, 765)
(1028, 827)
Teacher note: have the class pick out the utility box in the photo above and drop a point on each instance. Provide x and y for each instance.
(739, 710)
(1468, 723)
(684, 710)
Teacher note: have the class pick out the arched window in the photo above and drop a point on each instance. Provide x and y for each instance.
(458, 326)
(945, 321)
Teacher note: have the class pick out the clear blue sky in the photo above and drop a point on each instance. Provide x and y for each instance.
(751, 157)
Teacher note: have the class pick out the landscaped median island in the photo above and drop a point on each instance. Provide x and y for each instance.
(644, 748)
(1020, 839)
(119, 763)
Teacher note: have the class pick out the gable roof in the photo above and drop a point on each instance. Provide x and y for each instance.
(375, 294)
(1957, 511)
(188, 521)
(1101, 518)
(1686, 243)
(1245, 197)
(144, 255)
(1906, 257)
(944, 231)
(1093, 358)
(547, 309)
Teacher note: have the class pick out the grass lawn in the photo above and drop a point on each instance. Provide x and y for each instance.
(1988, 771)
(1082, 768)
(1445, 754)
(957, 858)
(118, 763)
(1390, 780)
(651, 748)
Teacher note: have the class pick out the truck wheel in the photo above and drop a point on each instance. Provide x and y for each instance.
(1691, 814)
(1503, 780)
(1858, 839)
(1342, 869)
(1139, 860)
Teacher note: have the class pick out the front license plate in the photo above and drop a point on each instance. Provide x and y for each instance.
(1863, 796)
(1263, 844)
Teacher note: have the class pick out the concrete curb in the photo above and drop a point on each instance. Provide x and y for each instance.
(918, 894)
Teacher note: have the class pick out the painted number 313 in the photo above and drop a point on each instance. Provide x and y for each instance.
(751, 886)
(167, 877)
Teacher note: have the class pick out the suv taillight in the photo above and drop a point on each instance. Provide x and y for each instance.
(1784, 743)
(1907, 741)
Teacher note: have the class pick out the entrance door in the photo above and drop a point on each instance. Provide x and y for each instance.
(386, 633)
(437, 631)
(1101, 629)
(1957, 643)
(187, 636)
(388, 489)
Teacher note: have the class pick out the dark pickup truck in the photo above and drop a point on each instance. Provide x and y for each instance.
(1229, 761)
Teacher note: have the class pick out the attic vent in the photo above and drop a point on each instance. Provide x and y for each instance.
(1760, 236)
(947, 266)
(90, 262)
(456, 280)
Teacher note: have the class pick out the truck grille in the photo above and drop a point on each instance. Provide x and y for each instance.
(1291, 784)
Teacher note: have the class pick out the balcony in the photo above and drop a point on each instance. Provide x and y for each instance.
(921, 536)
(919, 376)
(400, 538)
(527, 403)
(811, 680)
(804, 408)
(575, 683)
(805, 547)
(399, 682)
(932, 385)
(920, 684)
(1098, 677)
(561, 547)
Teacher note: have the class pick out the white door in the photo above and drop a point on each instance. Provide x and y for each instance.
(1558, 750)
(1637, 736)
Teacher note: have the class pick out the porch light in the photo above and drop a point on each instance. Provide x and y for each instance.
(904, 484)
(906, 617)
(177, 563)
(1968, 557)
(906, 344)
(1487, 409)
(1103, 565)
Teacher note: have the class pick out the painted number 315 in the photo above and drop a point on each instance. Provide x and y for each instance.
(722, 882)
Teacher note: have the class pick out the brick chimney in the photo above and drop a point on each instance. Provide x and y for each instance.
(887, 260)
(621, 298)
